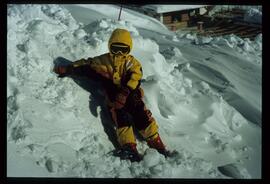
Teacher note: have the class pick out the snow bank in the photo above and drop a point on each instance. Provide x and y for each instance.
(171, 8)
(137, 19)
(47, 116)
(50, 123)
(37, 34)
(253, 16)
(251, 11)
(233, 58)
(233, 41)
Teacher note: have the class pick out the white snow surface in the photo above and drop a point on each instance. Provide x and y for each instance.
(170, 8)
(205, 94)
(253, 16)
(98, 11)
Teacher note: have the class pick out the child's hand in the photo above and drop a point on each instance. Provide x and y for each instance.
(61, 70)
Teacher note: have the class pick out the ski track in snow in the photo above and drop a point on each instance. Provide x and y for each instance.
(60, 129)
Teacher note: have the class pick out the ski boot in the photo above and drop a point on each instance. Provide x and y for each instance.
(156, 143)
(128, 152)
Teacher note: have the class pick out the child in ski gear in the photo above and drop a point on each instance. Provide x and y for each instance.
(121, 74)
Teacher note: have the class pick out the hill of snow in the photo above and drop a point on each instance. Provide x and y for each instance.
(253, 16)
(205, 94)
(171, 8)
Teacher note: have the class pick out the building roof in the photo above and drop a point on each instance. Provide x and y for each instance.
(171, 8)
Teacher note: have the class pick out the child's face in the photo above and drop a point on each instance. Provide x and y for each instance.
(119, 49)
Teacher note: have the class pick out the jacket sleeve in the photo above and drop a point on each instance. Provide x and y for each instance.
(135, 74)
(86, 68)
(81, 67)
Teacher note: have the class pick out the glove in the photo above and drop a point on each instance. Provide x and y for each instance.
(121, 98)
(63, 70)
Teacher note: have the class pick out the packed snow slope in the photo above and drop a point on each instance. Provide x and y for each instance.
(205, 94)
(170, 8)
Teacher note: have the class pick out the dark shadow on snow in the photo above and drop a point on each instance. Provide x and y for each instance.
(96, 99)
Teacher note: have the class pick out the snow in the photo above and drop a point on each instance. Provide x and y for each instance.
(112, 12)
(205, 94)
(171, 8)
(253, 16)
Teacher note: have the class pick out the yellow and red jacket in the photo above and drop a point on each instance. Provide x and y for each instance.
(122, 70)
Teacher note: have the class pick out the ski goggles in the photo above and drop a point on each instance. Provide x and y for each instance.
(119, 49)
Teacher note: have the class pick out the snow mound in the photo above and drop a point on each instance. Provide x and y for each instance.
(253, 16)
(112, 11)
(244, 46)
(63, 127)
(46, 117)
(234, 171)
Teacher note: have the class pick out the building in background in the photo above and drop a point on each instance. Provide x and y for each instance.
(177, 16)
(207, 20)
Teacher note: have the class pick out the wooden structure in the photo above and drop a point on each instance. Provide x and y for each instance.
(179, 16)
(180, 19)
(176, 20)
(229, 20)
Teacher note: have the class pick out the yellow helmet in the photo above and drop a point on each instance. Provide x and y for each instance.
(120, 36)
